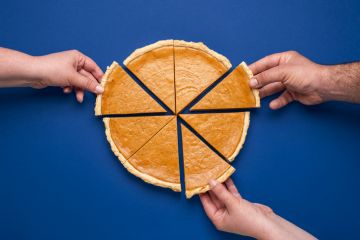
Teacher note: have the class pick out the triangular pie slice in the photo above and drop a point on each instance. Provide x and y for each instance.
(201, 164)
(154, 66)
(122, 95)
(196, 68)
(157, 162)
(226, 132)
(232, 92)
(127, 135)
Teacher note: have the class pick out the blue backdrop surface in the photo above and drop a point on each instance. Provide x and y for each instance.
(60, 180)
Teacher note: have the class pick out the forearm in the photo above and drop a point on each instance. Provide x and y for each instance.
(279, 228)
(17, 69)
(341, 82)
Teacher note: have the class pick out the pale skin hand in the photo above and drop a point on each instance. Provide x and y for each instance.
(300, 79)
(69, 70)
(229, 212)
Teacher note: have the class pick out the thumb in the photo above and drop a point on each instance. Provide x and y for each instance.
(89, 84)
(221, 192)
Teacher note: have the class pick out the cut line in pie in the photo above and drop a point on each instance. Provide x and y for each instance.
(226, 132)
(144, 136)
(233, 92)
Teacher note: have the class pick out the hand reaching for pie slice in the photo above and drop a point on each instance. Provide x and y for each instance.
(69, 70)
(230, 212)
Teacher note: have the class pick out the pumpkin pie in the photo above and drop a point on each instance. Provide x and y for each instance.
(226, 132)
(201, 164)
(122, 95)
(157, 162)
(154, 66)
(233, 92)
(196, 68)
(146, 142)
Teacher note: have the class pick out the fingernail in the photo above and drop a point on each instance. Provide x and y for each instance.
(212, 183)
(99, 89)
(253, 82)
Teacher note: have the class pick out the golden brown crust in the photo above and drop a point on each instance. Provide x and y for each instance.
(149, 179)
(250, 75)
(201, 46)
(140, 51)
(203, 189)
(104, 80)
(243, 136)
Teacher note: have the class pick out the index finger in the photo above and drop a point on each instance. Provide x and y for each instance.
(209, 207)
(266, 63)
(93, 68)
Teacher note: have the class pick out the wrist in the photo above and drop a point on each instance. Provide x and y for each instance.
(341, 82)
(36, 72)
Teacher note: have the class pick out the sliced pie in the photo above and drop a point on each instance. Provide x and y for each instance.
(196, 68)
(122, 95)
(232, 92)
(201, 164)
(128, 135)
(154, 66)
(226, 132)
(157, 162)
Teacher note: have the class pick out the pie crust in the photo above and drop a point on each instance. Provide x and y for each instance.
(201, 164)
(196, 68)
(122, 95)
(233, 92)
(226, 132)
(154, 66)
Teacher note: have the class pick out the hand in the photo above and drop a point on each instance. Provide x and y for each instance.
(297, 77)
(70, 70)
(229, 212)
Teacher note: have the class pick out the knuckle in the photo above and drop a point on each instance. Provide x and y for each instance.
(293, 53)
(89, 84)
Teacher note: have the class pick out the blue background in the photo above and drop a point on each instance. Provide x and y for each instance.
(60, 180)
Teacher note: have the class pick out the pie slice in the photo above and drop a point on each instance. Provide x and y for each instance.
(196, 68)
(232, 92)
(122, 95)
(127, 135)
(154, 66)
(157, 162)
(226, 132)
(201, 164)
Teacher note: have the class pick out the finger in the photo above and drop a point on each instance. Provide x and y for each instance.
(215, 200)
(266, 63)
(208, 205)
(232, 188)
(222, 194)
(284, 99)
(276, 74)
(87, 74)
(67, 90)
(80, 81)
(79, 95)
(93, 68)
(271, 89)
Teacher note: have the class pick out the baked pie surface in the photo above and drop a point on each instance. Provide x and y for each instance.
(154, 66)
(176, 72)
(196, 68)
(232, 92)
(201, 164)
(226, 132)
(122, 95)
